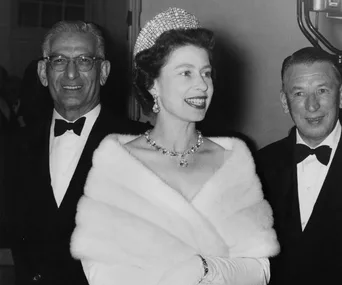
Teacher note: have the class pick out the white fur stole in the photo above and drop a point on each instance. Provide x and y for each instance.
(129, 216)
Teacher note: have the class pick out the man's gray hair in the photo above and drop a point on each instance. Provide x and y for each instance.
(78, 27)
(308, 56)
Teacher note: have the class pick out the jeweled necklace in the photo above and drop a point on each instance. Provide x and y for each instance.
(183, 161)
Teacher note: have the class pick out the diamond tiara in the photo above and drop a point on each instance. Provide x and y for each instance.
(171, 19)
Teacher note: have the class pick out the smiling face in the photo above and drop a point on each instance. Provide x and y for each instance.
(312, 95)
(184, 87)
(74, 92)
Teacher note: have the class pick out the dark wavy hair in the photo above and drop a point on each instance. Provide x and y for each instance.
(148, 63)
(308, 56)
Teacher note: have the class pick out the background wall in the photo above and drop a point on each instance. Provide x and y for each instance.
(335, 35)
(253, 38)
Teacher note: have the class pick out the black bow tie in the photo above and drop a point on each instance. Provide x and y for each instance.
(322, 153)
(62, 126)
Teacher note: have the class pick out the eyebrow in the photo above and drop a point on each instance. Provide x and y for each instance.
(60, 54)
(324, 84)
(182, 65)
(298, 87)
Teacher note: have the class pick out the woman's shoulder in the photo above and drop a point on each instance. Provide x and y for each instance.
(138, 147)
(111, 146)
(235, 150)
(114, 141)
(228, 144)
(137, 143)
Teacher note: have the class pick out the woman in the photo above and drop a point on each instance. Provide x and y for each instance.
(170, 206)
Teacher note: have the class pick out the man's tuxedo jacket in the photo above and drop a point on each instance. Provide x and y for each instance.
(2, 189)
(40, 230)
(312, 256)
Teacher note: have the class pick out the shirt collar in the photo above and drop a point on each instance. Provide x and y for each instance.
(91, 115)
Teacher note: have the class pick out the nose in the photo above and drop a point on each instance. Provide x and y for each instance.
(202, 83)
(71, 70)
(312, 103)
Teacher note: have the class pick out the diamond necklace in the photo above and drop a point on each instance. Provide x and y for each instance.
(183, 161)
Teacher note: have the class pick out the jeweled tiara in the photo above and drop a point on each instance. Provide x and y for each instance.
(171, 19)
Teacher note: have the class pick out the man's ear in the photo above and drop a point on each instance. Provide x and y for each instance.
(42, 72)
(283, 100)
(104, 72)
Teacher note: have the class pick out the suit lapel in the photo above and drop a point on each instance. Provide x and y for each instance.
(40, 161)
(104, 125)
(286, 210)
(328, 198)
(329, 185)
(288, 177)
(36, 203)
(46, 166)
(76, 185)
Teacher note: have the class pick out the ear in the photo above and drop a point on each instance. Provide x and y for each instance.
(104, 72)
(283, 100)
(340, 96)
(154, 89)
(42, 72)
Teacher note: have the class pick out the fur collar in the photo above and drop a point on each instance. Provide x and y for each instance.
(128, 215)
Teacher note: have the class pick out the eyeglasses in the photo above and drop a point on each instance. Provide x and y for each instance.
(83, 63)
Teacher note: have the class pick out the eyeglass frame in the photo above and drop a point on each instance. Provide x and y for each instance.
(93, 58)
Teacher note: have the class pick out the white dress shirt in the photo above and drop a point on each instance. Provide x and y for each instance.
(311, 175)
(65, 152)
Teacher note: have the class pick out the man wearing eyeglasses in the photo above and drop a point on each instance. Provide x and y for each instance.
(57, 154)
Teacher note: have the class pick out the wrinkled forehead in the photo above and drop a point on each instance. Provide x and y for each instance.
(310, 73)
(73, 44)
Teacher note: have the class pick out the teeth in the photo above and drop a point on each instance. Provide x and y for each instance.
(72, 87)
(197, 102)
(313, 120)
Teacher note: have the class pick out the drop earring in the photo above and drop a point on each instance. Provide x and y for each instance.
(156, 108)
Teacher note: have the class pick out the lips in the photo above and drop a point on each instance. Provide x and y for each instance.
(197, 102)
(315, 120)
(72, 87)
